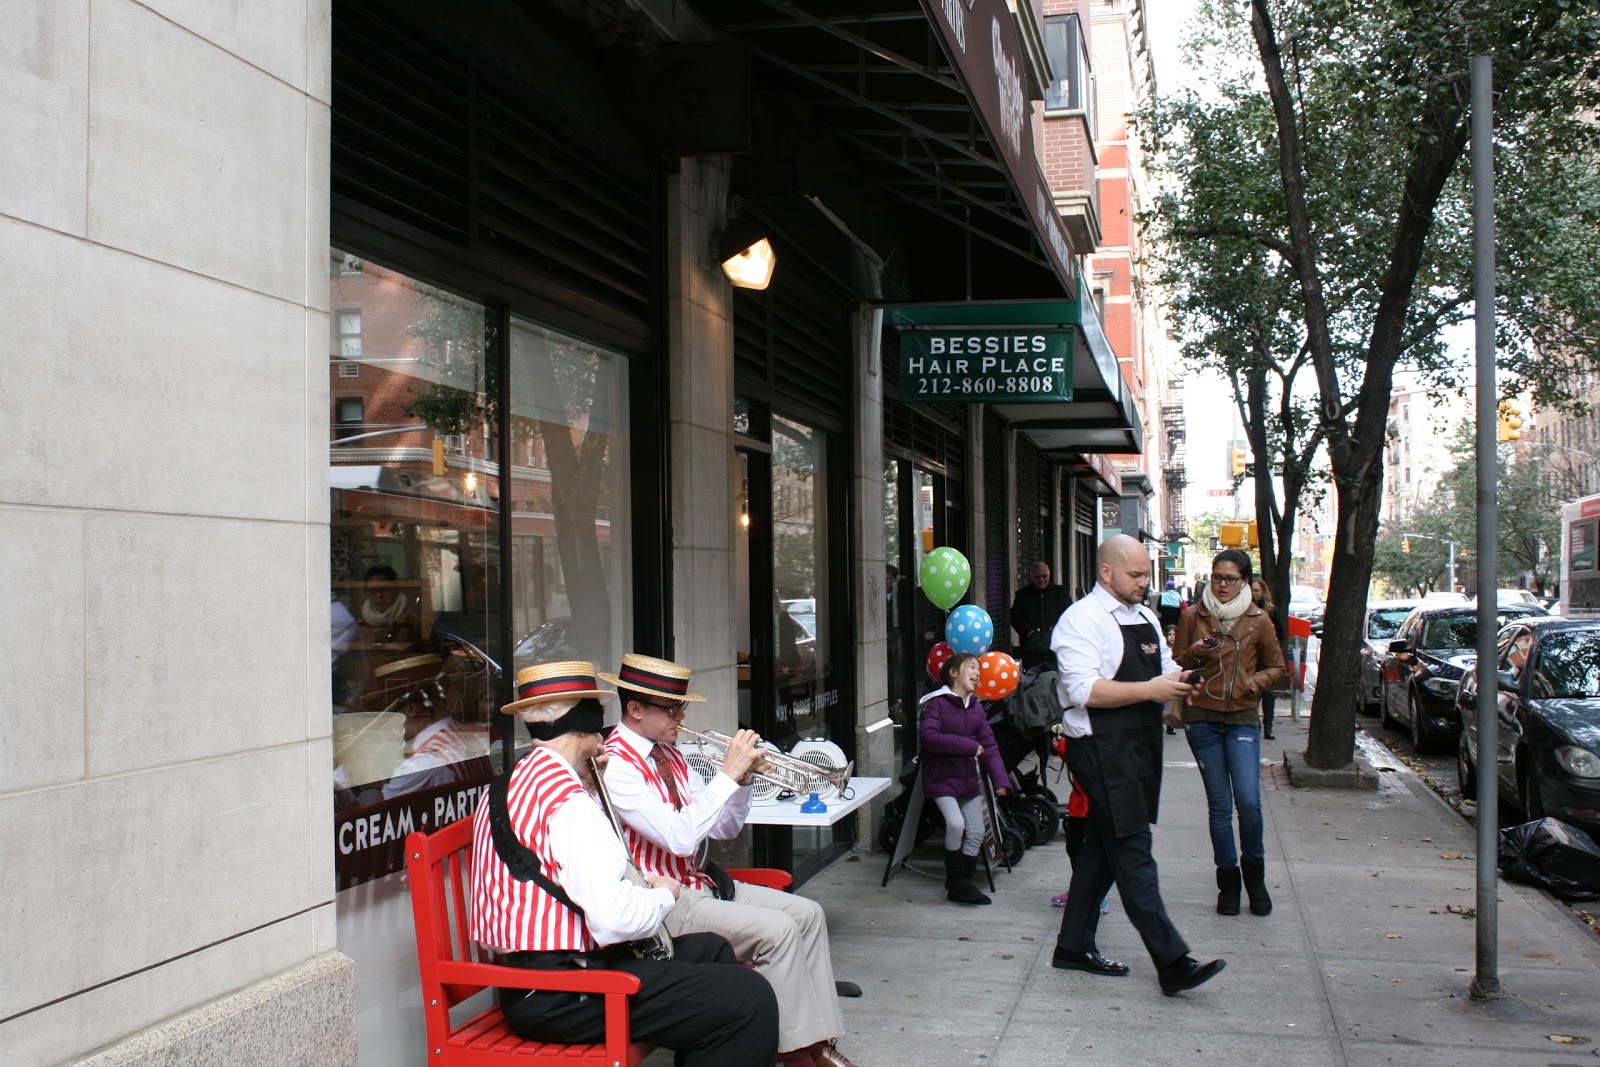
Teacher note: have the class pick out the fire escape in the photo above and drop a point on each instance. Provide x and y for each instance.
(1175, 464)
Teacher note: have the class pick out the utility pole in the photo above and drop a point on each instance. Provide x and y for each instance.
(1486, 983)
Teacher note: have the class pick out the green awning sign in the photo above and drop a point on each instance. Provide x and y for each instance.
(986, 366)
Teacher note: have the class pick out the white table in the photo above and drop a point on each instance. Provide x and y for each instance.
(788, 813)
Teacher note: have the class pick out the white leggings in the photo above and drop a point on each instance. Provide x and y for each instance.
(963, 823)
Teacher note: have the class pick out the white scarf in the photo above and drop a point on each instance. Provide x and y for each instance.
(397, 611)
(1230, 612)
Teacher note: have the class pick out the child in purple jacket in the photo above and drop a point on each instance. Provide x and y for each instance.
(955, 739)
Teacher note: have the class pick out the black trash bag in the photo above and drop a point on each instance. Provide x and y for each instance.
(1552, 855)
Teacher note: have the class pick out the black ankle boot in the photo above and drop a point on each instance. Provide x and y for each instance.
(1255, 883)
(958, 884)
(1228, 890)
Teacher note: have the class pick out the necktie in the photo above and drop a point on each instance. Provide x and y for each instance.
(658, 756)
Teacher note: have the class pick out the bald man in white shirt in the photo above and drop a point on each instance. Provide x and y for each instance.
(1115, 673)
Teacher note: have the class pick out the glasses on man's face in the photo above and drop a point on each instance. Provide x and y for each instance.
(1227, 579)
(674, 710)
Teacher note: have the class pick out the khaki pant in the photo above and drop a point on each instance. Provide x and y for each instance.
(785, 937)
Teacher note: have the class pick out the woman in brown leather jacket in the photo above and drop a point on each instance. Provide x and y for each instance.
(1233, 644)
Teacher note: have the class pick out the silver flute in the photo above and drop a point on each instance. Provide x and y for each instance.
(658, 946)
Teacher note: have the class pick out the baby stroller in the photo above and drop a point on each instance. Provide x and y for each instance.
(1022, 725)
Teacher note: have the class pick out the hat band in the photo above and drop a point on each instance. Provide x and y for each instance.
(633, 677)
(572, 683)
(412, 674)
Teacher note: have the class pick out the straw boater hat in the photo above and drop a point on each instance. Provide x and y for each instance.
(402, 674)
(656, 677)
(544, 682)
(558, 698)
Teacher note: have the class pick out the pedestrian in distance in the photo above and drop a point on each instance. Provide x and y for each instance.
(957, 747)
(1269, 700)
(1034, 611)
(1115, 675)
(1233, 644)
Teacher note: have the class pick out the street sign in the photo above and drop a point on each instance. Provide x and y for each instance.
(1219, 492)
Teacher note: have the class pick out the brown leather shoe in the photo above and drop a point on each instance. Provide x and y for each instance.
(830, 1056)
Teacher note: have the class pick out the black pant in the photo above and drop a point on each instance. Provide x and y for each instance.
(701, 1004)
(1104, 858)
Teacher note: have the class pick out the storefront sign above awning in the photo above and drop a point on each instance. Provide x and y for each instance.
(981, 38)
(984, 366)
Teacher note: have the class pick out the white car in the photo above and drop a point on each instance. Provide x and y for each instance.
(1517, 596)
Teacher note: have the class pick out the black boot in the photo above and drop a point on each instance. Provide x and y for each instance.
(1227, 890)
(958, 884)
(1255, 883)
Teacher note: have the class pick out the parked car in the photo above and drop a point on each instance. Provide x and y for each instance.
(1547, 684)
(1433, 648)
(1446, 596)
(1380, 625)
(1517, 596)
(1305, 602)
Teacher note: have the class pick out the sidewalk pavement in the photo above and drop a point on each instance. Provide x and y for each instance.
(1359, 963)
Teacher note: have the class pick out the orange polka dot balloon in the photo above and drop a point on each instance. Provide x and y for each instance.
(998, 675)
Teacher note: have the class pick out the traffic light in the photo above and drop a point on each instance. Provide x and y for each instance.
(1254, 535)
(438, 456)
(1405, 546)
(1510, 420)
(1232, 534)
(1238, 461)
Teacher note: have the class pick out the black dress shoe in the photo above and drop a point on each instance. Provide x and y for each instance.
(1090, 961)
(1186, 972)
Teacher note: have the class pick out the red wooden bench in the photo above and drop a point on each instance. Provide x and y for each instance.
(452, 968)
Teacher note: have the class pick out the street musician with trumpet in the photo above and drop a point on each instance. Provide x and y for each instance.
(668, 811)
(551, 890)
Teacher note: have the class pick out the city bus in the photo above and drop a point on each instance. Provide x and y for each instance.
(1580, 563)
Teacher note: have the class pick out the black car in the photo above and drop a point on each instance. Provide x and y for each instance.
(1433, 648)
(1548, 711)
(1379, 627)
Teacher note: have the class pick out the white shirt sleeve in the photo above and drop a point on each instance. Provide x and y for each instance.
(1079, 646)
(594, 874)
(709, 814)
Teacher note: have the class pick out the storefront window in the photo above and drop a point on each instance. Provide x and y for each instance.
(413, 554)
(570, 501)
(804, 676)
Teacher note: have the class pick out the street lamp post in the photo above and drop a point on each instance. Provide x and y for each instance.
(1452, 544)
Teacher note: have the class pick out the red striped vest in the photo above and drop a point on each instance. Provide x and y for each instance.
(514, 916)
(651, 857)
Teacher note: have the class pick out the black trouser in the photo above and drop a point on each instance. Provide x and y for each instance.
(1104, 858)
(701, 1004)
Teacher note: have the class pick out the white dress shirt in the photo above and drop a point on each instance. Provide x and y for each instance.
(1088, 645)
(716, 809)
(594, 874)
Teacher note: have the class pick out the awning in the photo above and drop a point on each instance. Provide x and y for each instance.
(931, 104)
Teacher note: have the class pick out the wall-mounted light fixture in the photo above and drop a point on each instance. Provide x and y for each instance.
(746, 254)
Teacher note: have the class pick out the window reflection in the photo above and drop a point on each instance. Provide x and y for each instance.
(569, 506)
(799, 570)
(413, 554)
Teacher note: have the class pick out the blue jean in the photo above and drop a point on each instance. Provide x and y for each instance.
(1230, 767)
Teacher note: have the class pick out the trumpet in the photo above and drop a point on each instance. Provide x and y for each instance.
(789, 773)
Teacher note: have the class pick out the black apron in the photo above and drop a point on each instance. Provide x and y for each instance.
(1129, 738)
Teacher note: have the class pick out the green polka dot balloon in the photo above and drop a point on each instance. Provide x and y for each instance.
(944, 577)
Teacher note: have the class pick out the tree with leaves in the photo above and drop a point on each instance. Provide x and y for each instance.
(1316, 236)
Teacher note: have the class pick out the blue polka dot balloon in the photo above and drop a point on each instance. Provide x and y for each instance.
(969, 629)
